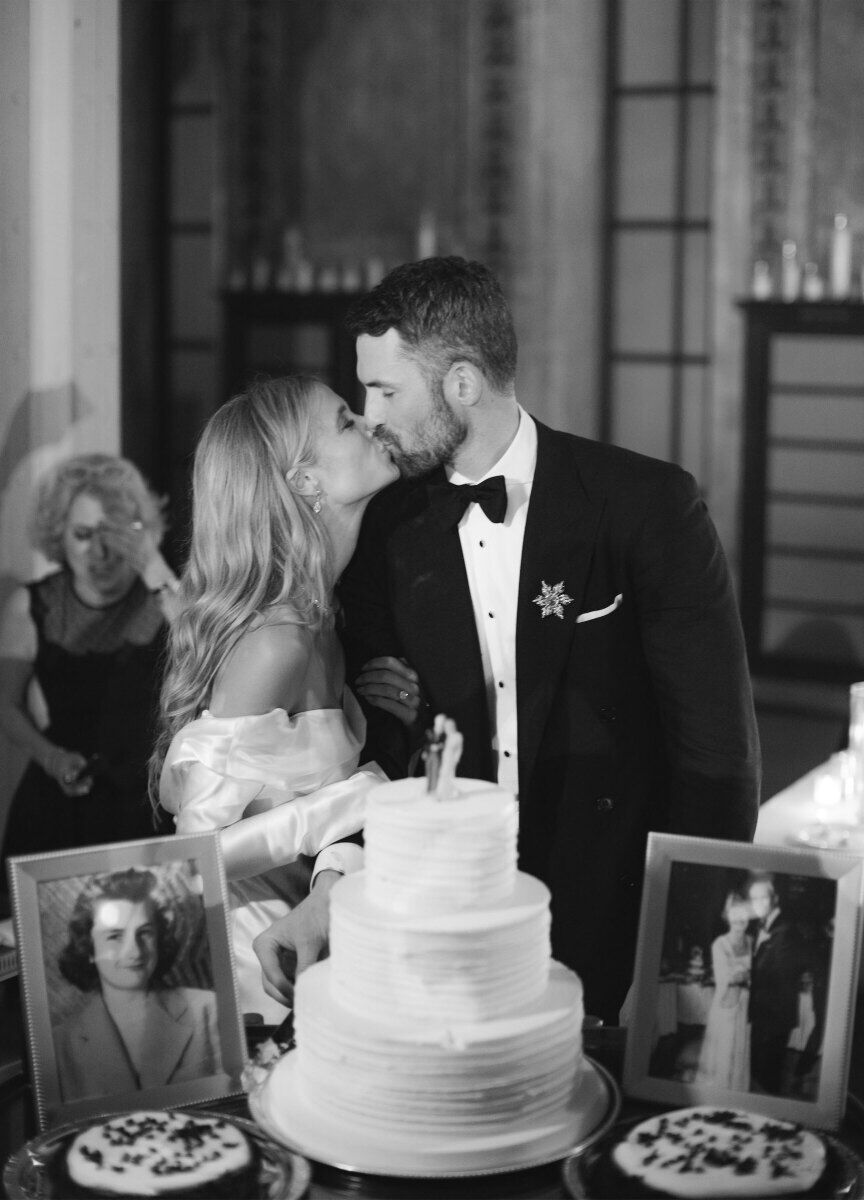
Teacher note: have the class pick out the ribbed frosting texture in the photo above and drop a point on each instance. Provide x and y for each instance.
(438, 856)
(466, 966)
(383, 1076)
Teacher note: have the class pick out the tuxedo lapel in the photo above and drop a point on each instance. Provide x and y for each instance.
(560, 533)
(435, 619)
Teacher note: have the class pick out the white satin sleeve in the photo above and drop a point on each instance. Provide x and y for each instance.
(305, 826)
(216, 767)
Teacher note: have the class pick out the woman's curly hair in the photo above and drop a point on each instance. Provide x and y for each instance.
(115, 482)
(76, 958)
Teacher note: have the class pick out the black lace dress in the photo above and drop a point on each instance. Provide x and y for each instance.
(99, 670)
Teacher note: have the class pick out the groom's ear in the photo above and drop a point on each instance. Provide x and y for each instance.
(463, 384)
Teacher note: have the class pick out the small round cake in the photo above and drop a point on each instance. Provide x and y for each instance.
(161, 1153)
(710, 1151)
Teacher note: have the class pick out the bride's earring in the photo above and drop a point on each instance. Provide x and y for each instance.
(316, 507)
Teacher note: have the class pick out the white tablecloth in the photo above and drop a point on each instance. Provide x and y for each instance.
(791, 810)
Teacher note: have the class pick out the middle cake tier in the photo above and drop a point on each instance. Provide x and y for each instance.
(472, 965)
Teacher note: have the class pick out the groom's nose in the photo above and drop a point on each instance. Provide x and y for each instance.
(373, 410)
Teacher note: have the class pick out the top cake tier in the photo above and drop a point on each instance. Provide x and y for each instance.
(430, 855)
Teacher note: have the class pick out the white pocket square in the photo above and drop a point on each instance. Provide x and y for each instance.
(600, 612)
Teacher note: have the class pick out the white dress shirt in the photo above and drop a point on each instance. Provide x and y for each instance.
(493, 554)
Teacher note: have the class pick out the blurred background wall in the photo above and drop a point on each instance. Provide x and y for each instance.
(192, 190)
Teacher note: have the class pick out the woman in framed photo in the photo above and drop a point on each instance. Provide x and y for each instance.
(134, 1031)
(724, 1057)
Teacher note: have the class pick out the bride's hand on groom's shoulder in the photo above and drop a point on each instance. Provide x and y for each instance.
(389, 683)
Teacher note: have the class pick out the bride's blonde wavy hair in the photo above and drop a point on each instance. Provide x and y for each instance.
(255, 543)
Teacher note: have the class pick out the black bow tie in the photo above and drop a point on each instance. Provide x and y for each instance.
(451, 499)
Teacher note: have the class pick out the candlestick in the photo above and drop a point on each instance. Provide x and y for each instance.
(791, 274)
(841, 257)
(762, 285)
(812, 287)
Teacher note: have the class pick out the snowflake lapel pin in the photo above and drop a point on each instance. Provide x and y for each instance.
(552, 600)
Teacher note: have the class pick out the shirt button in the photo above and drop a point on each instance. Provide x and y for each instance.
(500, 683)
(604, 804)
(506, 753)
(608, 713)
(492, 615)
(482, 544)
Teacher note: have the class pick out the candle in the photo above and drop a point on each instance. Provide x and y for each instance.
(841, 257)
(791, 276)
(762, 285)
(812, 287)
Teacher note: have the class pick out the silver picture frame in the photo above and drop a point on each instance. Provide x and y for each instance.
(745, 982)
(127, 977)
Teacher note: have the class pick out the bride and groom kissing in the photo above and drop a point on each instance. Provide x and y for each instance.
(763, 1012)
(567, 603)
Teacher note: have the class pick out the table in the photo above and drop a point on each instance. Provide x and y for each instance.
(778, 817)
(605, 1045)
(788, 811)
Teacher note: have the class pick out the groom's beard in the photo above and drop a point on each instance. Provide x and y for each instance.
(432, 444)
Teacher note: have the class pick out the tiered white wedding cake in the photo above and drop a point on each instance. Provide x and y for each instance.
(439, 1037)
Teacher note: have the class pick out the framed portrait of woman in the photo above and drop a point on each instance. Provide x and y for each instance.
(746, 969)
(127, 977)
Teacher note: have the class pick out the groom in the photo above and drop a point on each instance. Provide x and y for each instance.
(567, 603)
(774, 985)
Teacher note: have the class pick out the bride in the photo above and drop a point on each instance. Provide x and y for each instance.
(254, 709)
(724, 1059)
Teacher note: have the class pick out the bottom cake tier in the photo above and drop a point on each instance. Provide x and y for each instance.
(285, 1113)
(422, 1097)
(411, 1075)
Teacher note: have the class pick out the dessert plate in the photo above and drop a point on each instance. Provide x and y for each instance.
(286, 1115)
(30, 1172)
(587, 1173)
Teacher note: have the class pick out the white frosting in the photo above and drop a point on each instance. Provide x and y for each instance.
(286, 1112)
(472, 965)
(439, 1028)
(710, 1151)
(435, 1077)
(430, 855)
(149, 1152)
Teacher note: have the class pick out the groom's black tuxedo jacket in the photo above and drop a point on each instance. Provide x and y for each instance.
(635, 720)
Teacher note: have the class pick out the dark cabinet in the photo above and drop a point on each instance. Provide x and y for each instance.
(279, 333)
(802, 518)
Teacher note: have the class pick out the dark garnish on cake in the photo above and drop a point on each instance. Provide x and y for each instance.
(160, 1153)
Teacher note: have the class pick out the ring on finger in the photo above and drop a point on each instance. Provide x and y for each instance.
(403, 695)
(68, 776)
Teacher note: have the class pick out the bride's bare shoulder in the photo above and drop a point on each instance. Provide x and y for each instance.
(266, 669)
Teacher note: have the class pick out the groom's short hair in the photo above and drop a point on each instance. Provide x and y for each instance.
(444, 309)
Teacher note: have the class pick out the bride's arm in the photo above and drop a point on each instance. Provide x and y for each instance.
(305, 825)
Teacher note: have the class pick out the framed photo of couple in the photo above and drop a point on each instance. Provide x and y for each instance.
(745, 984)
(127, 977)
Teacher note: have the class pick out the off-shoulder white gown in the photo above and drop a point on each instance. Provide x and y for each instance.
(278, 786)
